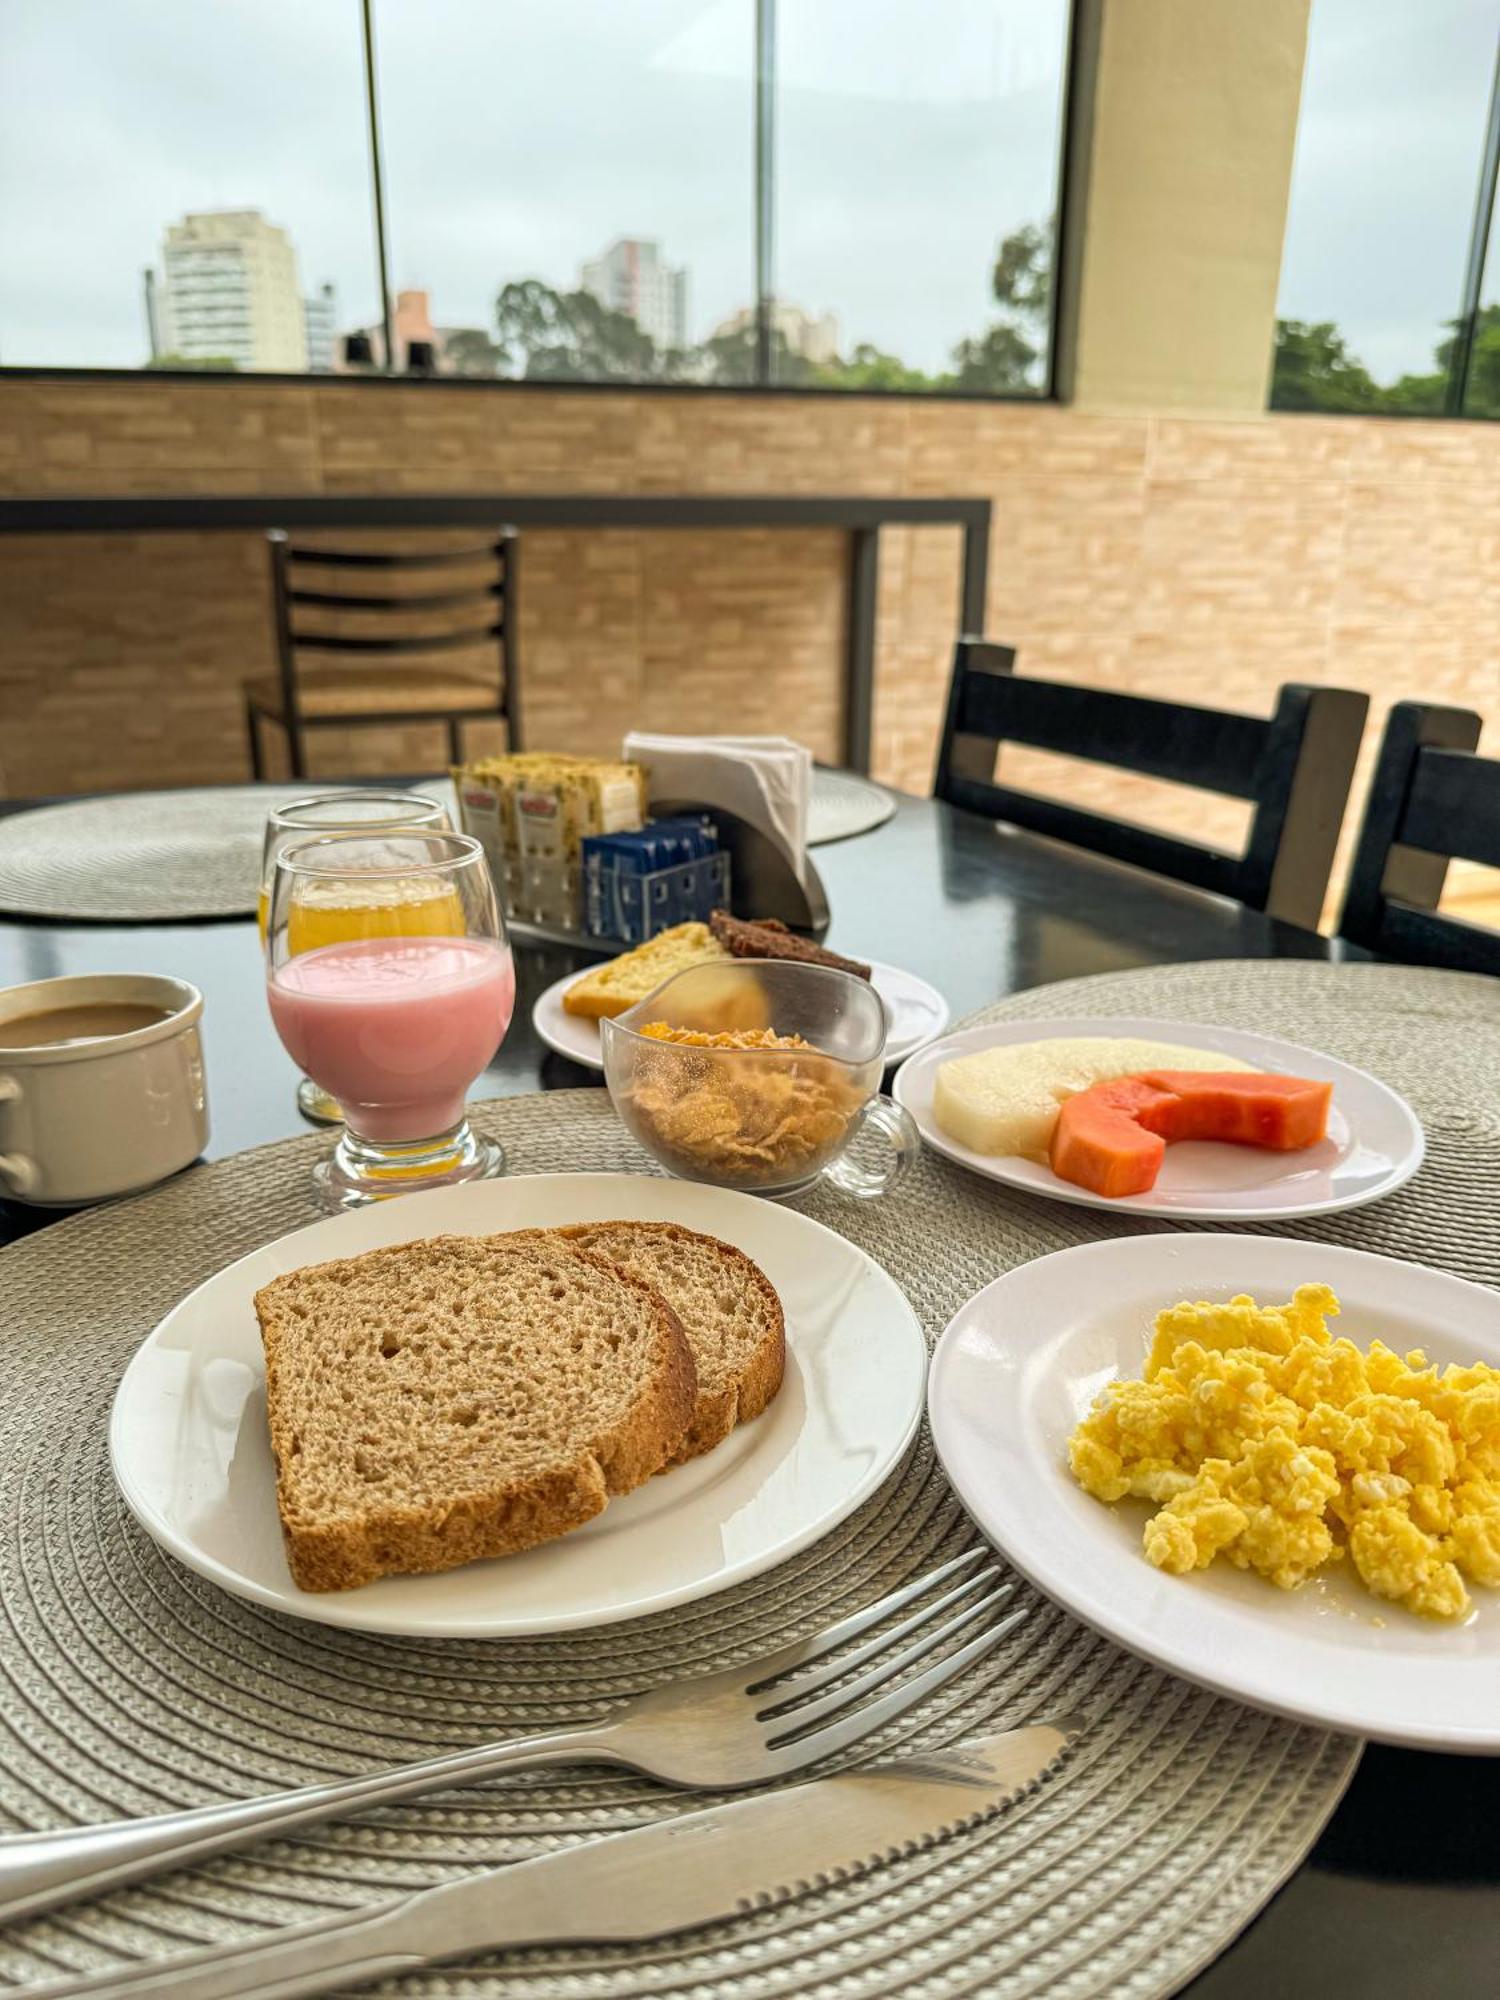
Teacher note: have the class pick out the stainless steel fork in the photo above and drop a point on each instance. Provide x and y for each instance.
(719, 1731)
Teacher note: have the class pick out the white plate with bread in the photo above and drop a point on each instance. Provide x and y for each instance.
(519, 1406)
(915, 1012)
(989, 1098)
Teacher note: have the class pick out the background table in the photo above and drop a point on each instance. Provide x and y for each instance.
(1401, 1897)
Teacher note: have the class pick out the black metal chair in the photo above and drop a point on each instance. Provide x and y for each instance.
(365, 682)
(1294, 767)
(1431, 801)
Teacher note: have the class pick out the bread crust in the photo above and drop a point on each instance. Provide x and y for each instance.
(379, 1538)
(717, 1413)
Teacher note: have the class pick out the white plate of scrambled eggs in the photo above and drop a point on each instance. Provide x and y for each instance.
(1223, 1452)
(1374, 1140)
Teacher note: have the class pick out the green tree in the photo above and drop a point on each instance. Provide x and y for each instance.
(728, 360)
(468, 350)
(1416, 395)
(1428, 393)
(1022, 276)
(1002, 359)
(1314, 370)
(1483, 396)
(998, 361)
(209, 364)
(871, 368)
(549, 336)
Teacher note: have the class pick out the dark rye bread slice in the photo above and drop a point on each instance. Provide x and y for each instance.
(729, 1311)
(442, 1401)
(768, 937)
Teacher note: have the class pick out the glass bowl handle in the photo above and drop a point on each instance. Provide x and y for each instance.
(884, 1117)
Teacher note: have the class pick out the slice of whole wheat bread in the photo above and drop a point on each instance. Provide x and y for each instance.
(728, 1308)
(441, 1401)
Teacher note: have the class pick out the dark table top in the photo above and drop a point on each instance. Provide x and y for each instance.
(1401, 1896)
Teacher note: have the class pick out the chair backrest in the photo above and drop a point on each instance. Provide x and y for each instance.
(1293, 767)
(316, 581)
(1431, 800)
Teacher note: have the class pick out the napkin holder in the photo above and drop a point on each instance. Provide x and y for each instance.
(763, 882)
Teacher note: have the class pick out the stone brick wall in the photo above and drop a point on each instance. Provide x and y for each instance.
(1201, 558)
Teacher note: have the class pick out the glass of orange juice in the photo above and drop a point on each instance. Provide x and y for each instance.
(368, 916)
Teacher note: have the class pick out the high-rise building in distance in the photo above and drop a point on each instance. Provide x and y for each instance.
(815, 336)
(320, 316)
(229, 289)
(631, 277)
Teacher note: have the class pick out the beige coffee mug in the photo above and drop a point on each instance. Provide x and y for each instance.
(83, 1122)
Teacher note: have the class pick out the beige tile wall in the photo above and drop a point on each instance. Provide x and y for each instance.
(1205, 559)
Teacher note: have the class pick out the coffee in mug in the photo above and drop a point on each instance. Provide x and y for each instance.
(67, 1027)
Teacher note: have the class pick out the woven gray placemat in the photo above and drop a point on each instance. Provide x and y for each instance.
(841, 805)
(144, 857)
(129, 1685)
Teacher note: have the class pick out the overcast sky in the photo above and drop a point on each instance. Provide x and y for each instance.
(1388, 154)
(521, 136)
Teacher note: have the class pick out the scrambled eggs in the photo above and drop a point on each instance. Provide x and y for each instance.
(1263, 1439)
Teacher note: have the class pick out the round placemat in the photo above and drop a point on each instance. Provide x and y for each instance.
(144, 857)
(129, 1685)
(841, 805)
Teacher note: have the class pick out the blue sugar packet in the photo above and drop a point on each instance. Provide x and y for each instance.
(636, 884)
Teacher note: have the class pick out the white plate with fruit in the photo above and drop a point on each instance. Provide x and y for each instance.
(915, 1011)
(1036, 1105)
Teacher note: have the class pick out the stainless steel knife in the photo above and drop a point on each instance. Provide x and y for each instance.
(696, 1869)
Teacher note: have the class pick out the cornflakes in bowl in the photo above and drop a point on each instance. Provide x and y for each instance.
(763, 1109)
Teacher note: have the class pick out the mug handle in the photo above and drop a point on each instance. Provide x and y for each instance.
(16, 1171)
(903, 1143)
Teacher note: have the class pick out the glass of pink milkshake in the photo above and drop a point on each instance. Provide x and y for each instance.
(391, 984)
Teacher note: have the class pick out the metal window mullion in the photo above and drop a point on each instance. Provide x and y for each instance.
(377, 180)
(1457, 387)
(765, 143)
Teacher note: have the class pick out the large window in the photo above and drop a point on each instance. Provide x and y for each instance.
(915, 186)
(828, 194)
(571, 187)
(1392, 187)
(182, 181)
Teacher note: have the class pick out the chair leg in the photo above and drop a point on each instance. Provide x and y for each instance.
(455, 741)
(257, 754)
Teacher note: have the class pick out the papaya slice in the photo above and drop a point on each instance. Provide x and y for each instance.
(1243, 1108)
(1103, 1139)
(1113, 1137)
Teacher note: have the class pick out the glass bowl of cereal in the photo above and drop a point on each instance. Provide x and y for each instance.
(763, 1075)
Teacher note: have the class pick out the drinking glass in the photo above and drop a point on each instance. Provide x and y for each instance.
(338, 812)
(391, 983)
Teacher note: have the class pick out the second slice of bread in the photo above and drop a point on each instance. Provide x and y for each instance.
(729, 1311)
(441, 1401)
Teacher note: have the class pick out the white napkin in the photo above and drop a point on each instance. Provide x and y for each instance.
(766, 780)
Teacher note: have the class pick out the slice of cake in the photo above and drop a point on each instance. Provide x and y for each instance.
(770, 938)
(617, 984)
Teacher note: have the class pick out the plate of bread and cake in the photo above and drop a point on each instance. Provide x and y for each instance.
(519, 1406)
(567, 1016)
(1174, 1119)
